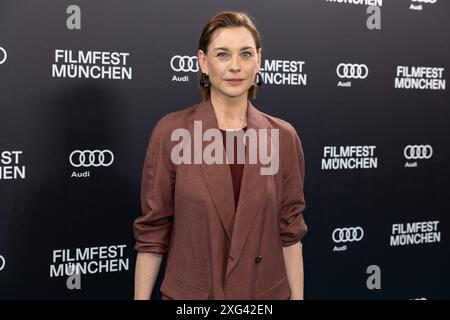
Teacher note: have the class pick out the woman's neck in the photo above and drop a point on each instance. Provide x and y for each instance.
(231, 113)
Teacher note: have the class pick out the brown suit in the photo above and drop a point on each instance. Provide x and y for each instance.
(188, 211)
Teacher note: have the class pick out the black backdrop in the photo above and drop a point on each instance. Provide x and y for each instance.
(50, 206)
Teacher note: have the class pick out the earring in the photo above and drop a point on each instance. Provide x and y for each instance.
(258, 79)
(204, 80)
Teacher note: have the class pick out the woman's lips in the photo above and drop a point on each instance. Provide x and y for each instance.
(234, 81)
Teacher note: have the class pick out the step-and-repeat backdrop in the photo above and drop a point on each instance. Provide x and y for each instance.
(364, 82)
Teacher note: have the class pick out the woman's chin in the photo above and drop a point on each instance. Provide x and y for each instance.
(234, 93)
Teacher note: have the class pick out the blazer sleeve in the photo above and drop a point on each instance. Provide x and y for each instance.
(292, 223)
(153, 228)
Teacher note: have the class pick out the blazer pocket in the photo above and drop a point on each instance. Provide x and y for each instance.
(279, 291)
(177, 289)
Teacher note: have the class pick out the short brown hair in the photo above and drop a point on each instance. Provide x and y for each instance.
(223, 20)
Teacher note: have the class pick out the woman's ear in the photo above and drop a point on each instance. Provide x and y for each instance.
(201, 57)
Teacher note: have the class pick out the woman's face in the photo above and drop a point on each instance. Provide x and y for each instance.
(231, 61)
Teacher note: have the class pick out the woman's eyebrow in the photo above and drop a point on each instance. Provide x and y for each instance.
(221, 48)
(226, 49)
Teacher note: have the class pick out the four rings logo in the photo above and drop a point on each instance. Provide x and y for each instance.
(349, 70)
(425, 1)
(2, 262)
(3, 55)
(347, 234)
(184, 63)
(418, 152)
(91, 158)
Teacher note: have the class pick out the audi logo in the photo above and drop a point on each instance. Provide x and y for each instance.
(425, 1)
(2, 54)
(418, 152)
(348, 70)
(2, 262)
(184, 63)
(347, 234)
(94, 158)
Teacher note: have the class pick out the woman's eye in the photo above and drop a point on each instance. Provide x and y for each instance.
(222, 54)
(246, 54)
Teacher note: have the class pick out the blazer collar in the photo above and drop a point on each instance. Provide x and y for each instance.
(236, 222)
(205, 112)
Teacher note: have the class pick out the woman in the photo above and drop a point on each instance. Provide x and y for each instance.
(230, 231)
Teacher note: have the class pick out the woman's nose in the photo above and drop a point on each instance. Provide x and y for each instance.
(235, 64)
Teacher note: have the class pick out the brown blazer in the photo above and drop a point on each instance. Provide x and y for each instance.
(188, 211)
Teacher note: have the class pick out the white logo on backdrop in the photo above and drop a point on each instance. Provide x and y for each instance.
(3, 55)
(2, 262)
(349, 70)
(184, 63)
(91, 158)
(347, 234)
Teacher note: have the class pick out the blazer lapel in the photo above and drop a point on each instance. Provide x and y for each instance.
(217, 176)
(253, 189)
(236, 222)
